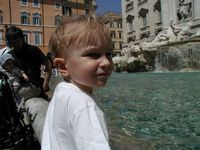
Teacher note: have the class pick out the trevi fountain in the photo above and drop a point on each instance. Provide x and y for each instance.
(175, 48)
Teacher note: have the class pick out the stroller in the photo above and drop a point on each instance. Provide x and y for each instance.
(15, 134)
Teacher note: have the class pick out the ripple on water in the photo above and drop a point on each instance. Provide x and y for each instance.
(161, 110)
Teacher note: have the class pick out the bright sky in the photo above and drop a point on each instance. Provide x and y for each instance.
(108, 5)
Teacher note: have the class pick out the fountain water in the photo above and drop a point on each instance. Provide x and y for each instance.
(182, 56)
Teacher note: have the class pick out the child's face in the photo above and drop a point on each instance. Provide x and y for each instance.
(9, 65)
(89, 67)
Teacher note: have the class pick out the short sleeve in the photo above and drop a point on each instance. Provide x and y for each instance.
(86, 124)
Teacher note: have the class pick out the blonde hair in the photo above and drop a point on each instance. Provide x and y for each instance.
(76, 31)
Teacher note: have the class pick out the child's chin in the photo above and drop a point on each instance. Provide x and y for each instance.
(101, 83)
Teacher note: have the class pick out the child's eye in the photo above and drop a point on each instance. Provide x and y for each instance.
(93, 55)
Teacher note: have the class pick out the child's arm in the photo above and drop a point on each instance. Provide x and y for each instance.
(88, 125)
(25, 76)
(88, 132)
(20, 73)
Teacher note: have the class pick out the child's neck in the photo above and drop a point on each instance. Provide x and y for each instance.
(84, 88)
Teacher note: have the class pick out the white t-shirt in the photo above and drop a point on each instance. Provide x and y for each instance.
(74, 121)
(4, 50)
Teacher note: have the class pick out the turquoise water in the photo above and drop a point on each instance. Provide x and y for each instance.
(161, 110)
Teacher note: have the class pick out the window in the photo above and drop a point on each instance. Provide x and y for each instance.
(57, 5)
(113, 44)
(57, 20)
(120, 34)
(24, 2)
(144, 21)
(36, 19)
(1, 37)
(37, 38)
(86, 1)
(1, 17)
(120, 45)
(36, 3)
(113, 35)
(129, 6)
(26, 36)
(130, 18)
(130, 26)
(143, 13)
(111, 24)
(87, 11)
(67, 11)
(25, 18)
(119, 25)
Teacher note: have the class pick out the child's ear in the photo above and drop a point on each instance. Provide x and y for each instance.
(59, 63)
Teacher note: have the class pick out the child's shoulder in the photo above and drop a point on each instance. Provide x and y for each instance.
(72, 97)
(72, 91)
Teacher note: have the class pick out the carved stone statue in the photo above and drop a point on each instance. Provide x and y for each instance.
(182, 31)
(167, 35)
(184, 9)
(172, 34)
(162, 38)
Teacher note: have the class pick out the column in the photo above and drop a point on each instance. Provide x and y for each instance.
(168, 12)
(196, 9)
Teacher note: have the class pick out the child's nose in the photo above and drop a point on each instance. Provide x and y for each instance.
(105, 61)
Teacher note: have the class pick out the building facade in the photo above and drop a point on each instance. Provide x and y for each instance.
(141, 20)
(114, 22)
(144, 19)
(39, 18)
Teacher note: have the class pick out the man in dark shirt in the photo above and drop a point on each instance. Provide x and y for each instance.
(29, 58)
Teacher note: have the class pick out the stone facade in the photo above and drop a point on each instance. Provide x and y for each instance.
(114, 22)
(38, 18)
(144, 19)
(141, 20)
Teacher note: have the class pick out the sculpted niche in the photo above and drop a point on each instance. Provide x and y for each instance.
(184, 10)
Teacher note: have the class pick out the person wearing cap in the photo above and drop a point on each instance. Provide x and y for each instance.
(12, 71)
(29, 59)
(4, 50)
(18, 79)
